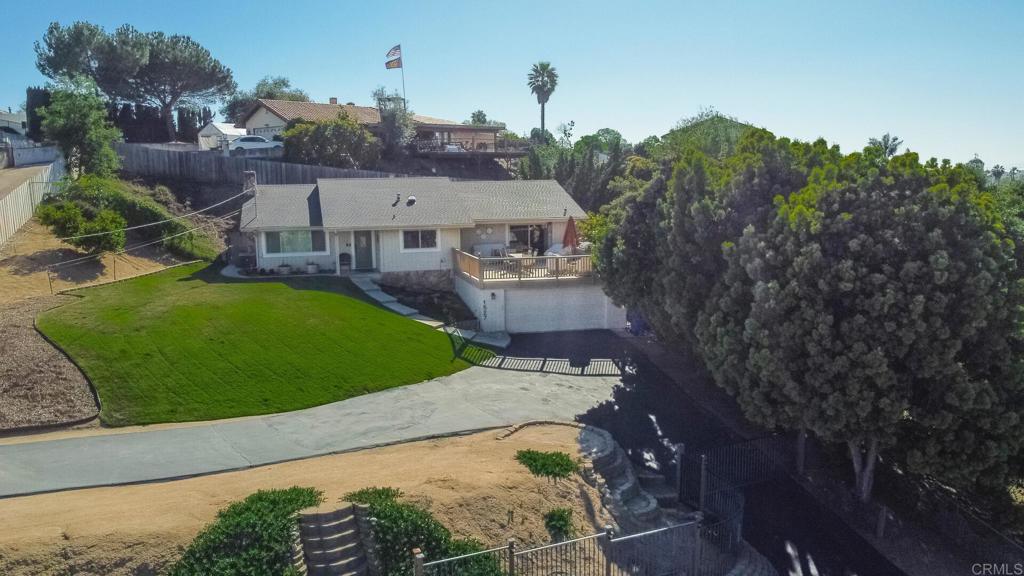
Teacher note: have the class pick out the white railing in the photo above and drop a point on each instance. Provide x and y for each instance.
(521, 267)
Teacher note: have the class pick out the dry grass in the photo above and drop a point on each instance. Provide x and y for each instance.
(472, 484)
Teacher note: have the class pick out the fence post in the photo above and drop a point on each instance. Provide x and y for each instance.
(115, 266)
(801, 451)
(680, 450)
(49, 280)
(610, 535)
(703, 480)
(417, 562)
(511, 557)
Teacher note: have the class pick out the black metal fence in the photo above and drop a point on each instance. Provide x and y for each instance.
(670, 551)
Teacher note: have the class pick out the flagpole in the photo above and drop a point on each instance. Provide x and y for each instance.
(405, 103)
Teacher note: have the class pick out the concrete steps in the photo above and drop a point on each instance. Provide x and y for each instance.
(330, 543)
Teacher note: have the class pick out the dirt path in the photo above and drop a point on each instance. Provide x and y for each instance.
(472, 483)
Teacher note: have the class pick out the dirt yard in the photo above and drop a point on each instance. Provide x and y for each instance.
(39, 386)
(471, 483)
(26, 256)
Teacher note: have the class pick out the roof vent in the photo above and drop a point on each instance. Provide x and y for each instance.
(410, 201)
(333, 100)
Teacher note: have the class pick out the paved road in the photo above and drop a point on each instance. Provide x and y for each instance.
(469, 400)
(11, 178)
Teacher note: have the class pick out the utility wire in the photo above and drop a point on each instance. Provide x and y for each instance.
(154, 223)
(141, 245)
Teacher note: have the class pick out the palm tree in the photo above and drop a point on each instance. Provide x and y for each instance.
(997, 172)
(542, 80)
(889, 144)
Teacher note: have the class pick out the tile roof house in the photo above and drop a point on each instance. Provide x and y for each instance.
(499, 244)
(269, 117)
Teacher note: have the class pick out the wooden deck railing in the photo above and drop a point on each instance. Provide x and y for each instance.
(484, 270)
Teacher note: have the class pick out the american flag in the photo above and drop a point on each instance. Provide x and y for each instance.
(395, 52)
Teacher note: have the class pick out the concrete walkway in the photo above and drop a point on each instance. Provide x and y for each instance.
(473, 399)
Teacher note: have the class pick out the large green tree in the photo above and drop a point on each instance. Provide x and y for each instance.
(341, 142)
(164, 71)
(269, 88)
(76, 119)
(881, 307)
(542, 80)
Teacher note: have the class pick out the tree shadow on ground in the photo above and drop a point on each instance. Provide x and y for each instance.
(38, 262)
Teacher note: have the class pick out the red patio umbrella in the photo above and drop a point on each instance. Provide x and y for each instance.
(569, 239)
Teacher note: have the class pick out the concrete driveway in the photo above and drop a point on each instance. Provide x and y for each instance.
(473, 399)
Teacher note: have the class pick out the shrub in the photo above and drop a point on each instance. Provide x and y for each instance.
(559, 523)
(105, 221)
(373, 495)
(63, 217)
(402, 526)
(93, 195)
(552, 465)
(251, 537)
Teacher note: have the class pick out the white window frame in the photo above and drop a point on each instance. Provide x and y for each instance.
(401, 240)
(263, 244)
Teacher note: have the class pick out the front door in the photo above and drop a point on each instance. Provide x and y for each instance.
(364, 249)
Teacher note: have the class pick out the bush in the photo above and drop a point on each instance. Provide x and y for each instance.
(373, 495)
(341, 142)
(559, 523)
(93, 195)
(552, 465)
(67, 219)
(251, 537)
(402, 526)
(63, 217)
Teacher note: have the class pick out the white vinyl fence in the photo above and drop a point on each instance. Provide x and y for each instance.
(17, 207)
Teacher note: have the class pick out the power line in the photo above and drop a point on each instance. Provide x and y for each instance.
(154, 223)
(141, 245)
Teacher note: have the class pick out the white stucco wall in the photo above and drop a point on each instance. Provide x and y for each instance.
(548, 308)
(264, 123)
(393, 259)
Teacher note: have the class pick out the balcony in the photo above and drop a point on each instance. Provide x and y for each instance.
(471, 148)
(522, 268)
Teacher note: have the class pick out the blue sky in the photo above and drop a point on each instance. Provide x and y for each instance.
(946, 77)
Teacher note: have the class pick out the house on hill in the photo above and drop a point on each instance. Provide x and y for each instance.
(435, 137)
(507, 248)
(214, 134)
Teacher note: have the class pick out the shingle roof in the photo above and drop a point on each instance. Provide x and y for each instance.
(318, 112)
(349, 203)
(385, 203)
(505, 200)
(283, 206)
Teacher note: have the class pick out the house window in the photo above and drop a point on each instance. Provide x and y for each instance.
(419, 239)
(295, 242)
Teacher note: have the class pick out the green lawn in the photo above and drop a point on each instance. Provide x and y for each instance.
(187, 344)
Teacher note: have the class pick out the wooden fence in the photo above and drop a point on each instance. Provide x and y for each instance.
(213, 167)
(19, 204)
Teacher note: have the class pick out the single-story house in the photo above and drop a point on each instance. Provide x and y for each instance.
(214, 134)
(501, 245)
(269, 117)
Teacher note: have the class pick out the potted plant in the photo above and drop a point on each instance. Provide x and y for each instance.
(312, 268)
